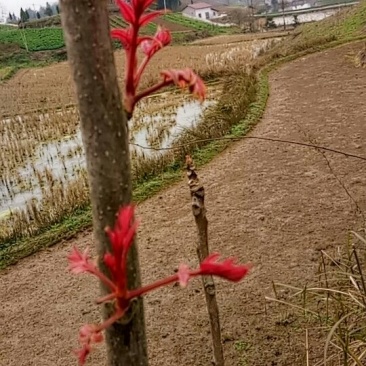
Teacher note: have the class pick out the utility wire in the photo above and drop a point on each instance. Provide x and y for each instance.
(324, 148)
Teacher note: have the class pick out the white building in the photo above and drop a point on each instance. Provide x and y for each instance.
(200, 11)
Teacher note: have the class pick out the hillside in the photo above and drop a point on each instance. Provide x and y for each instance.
(175, 22)
(41, 41)
(347, 25)
(46, 34)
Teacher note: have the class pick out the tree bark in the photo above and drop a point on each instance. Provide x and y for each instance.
(105, 137)
(199, 212)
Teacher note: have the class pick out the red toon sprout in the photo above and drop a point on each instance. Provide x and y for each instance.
(134, 14)
(121, 238)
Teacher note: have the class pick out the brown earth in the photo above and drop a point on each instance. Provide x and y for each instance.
(47, 88)
(173, 27)
(273, 204)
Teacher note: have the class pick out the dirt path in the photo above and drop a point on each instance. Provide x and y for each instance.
(275, 205)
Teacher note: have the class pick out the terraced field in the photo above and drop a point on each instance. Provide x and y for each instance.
(33, 39)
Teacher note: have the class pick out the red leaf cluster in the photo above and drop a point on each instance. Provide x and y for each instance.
(134, 14)
(121, 238)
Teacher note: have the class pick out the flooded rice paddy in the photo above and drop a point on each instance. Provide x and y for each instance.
(158, 122)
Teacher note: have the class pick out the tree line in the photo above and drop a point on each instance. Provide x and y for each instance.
(30, 14)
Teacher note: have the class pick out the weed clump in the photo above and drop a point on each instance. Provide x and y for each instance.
(334, 304)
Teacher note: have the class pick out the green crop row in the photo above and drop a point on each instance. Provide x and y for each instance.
(41, 39)
(34, 39)
(192, 23)
(116, 21)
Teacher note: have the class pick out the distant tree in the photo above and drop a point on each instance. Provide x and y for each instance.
(32, 14)
(38, 15)
(57, 9)
(283, 5)
(170, 4)
(9, 19)
(41, 11)
(23, 16)
(48, 11)
(262, 8)
(26, 15)
(242, 17)
(274, 4)
(14, 17)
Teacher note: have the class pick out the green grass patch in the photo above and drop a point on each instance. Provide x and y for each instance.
(35, 39)
(7, 72)
(194, 24)
(66, 229)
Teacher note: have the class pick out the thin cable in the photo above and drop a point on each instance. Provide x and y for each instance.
(256, 138)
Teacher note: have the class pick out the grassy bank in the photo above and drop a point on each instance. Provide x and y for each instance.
(234, 120)
(346, 26)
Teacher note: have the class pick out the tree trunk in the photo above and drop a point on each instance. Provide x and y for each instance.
(105, 137)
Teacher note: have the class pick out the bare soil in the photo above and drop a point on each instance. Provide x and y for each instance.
(273, 204)
(173, 27)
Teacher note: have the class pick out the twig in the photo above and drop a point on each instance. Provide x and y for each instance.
(199, 213)
(326, 283)
(358, 208)
(322, 152)
(307, 346)
(359, 267)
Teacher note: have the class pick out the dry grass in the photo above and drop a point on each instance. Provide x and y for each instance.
(20, 136)
(346, 25)
(361, 57)
(248, 37)
(335, 304)
(42, 164)
(51, 87)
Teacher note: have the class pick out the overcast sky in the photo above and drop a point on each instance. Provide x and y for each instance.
(14, 6)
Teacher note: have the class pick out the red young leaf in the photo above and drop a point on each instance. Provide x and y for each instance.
(186, 78)
(141, 5)
(127, 11)
(121, 237)
(161, 39)
(183, 274)
(123, 35)
(226, 269)
(80, 262)
(147, 18)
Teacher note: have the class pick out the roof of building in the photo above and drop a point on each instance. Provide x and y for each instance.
(198, 6)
